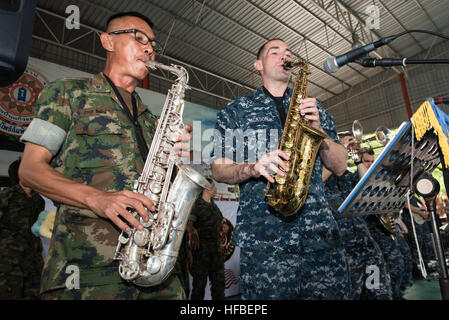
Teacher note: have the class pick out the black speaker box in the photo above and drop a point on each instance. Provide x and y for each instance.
(16, 27)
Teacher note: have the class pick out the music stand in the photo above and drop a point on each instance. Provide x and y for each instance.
(384, 186)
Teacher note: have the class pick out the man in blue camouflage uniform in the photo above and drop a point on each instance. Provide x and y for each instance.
(407, 275)
(386, 239)
(370, 279)
(423, 234)
(295, 257)
(84, 150)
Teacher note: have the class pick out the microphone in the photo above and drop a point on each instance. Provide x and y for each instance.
(371, 63)
(389, 62)
(332, 64)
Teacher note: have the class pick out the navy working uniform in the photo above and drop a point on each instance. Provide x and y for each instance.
(392, 254)
(370, 279)
(296, 257)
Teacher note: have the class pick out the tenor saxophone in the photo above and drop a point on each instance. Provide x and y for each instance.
(301, 142)
(148, 257)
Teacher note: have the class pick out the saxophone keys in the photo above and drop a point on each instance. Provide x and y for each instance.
(153, 264)
(280, 180)
(124, 237)
(141, 238)
(155, 187)
(129, 270)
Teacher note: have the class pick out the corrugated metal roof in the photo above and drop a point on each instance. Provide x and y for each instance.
(223, 36)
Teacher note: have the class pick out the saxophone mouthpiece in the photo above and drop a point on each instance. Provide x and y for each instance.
(288, 64)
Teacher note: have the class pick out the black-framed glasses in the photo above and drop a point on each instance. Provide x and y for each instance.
(140, 37)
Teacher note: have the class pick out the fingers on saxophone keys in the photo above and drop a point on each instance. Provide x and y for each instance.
(115, 218)
(130, 219)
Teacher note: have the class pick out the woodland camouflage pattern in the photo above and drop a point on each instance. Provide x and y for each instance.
(20, 251)
(361, 249)
(299, 257)
(99, 150)
(208, 260)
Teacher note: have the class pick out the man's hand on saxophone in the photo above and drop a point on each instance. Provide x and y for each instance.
(309, 111)
(183, 144)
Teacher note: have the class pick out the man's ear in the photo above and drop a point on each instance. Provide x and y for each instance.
(258, 65)
(107, 42)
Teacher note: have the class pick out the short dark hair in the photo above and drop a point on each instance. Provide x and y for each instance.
(130, 14)
(259, 52)
(13, 172)
(369, 151)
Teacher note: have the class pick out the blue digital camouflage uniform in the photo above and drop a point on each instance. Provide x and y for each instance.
(299, 257)
(370, 279)
(93, 142)
(406, 279)
(423, 235)
(392, 254)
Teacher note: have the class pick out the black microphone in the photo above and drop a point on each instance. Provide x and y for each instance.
(332, 64)
(388, 62)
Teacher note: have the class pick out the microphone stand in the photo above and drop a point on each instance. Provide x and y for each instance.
(428, 188)
(389, 62)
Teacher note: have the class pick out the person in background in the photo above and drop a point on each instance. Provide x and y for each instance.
(362, 251)
(204, 230)
(21, 259)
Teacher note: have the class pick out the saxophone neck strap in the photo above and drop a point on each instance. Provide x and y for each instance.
(143, 148)
(279, 101)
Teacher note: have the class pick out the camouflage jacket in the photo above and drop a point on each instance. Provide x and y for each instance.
(207, 220)
(19, 214)
(255, 123)
(98, 148)
(353, 229)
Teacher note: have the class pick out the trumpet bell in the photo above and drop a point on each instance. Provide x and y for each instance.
(357, 131)
(383, 135)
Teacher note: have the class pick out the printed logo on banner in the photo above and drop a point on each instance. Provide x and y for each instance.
(18, 102)
(226, 239)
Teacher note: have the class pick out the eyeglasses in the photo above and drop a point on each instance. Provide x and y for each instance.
(140, 37)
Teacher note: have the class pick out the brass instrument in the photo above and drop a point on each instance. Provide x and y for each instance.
(148, 257)
(301, 142)
(382, 135)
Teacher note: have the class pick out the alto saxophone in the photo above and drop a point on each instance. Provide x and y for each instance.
(148, 257)
(301, 142)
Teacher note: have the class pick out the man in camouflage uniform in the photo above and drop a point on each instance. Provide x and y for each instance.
(204, 232)
(364, 256)
(385, 239)
(20, 251)
(84, 149)
(295, 257)
(392, 254)
(407, 275)
(423, 235)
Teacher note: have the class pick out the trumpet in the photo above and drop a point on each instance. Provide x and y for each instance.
(382, 135)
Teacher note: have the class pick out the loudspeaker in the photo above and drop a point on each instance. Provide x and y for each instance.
(16, 27)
